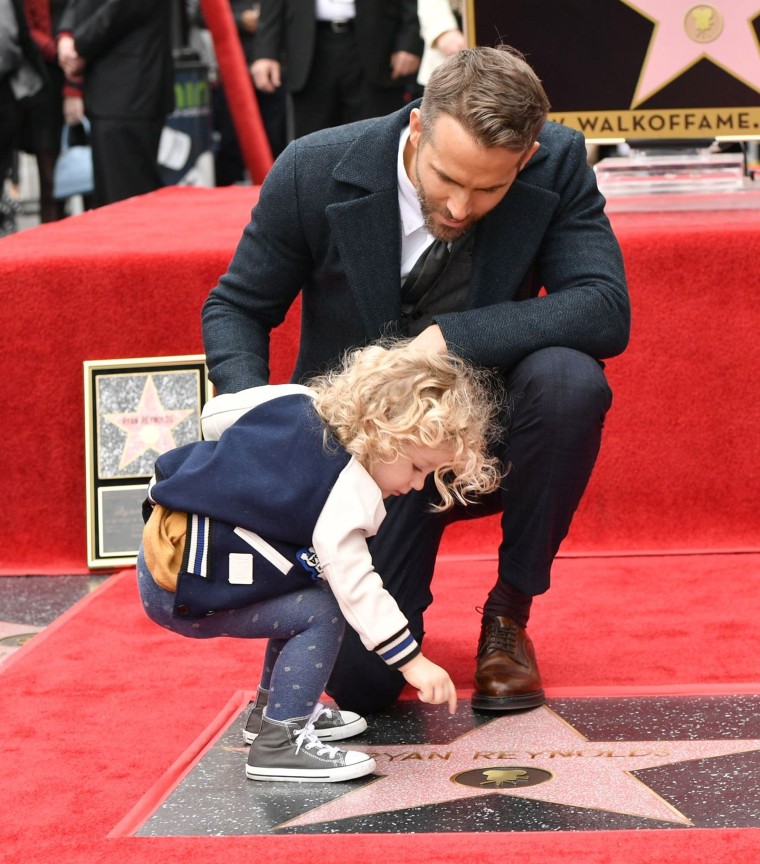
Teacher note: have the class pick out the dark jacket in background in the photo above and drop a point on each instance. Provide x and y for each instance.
(11, 109)
(128, 48)
(287, 32)
(128, 89)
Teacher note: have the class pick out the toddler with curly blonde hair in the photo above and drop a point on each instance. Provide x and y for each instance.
(261, 531)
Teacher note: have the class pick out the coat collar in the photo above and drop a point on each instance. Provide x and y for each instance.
(370, 161)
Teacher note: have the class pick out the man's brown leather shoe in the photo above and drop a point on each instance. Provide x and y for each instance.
(506, 675)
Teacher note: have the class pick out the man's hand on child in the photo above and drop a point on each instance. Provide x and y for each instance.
(431, 340)
(433, 683)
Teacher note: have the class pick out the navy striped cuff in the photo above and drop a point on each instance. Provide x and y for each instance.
(399, 649)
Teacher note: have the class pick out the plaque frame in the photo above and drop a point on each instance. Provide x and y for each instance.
(121, 398)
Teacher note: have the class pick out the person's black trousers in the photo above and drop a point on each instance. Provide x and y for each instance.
(125, 157)
(557, 399)
(337, 90)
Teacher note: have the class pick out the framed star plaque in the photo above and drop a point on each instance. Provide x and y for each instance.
(634, 70)
(135, 410)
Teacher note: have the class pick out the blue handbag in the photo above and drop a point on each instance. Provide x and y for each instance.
(73, 173)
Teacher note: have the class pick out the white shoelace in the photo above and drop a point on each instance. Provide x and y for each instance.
(307, 737)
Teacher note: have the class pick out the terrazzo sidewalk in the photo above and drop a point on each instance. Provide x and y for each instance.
(29, 603)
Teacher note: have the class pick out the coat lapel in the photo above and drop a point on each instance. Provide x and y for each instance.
(367, 230)
(507, 241)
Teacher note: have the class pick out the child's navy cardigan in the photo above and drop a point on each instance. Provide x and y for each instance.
(271, 505)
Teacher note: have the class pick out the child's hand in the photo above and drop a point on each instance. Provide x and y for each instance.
(433, 683)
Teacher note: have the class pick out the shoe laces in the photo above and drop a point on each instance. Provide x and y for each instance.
(498, 638)
(307, 737)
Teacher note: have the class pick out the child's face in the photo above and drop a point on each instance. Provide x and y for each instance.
(410, 470)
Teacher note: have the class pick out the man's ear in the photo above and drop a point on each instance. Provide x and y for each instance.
(415, 127)
(529, 153)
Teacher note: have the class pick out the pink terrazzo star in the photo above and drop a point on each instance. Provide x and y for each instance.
(149, 427)
(572, 770)
(687, 31)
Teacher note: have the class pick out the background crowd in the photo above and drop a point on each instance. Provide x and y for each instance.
(102, 74)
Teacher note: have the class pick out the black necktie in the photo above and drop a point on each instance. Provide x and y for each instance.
(427, 269)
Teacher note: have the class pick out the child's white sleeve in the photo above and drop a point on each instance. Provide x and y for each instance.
(354, 511)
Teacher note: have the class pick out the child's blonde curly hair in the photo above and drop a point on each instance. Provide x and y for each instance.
(386, 397)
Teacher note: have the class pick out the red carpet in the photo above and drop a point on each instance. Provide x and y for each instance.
(96, 709)
(679, 468)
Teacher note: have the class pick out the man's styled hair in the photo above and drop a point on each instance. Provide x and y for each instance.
(492, 93)
(383, 399)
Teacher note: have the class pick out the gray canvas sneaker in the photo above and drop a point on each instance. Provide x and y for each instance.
(289, 750)
(331, 725)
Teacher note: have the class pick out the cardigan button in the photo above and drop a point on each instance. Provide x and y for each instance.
(182, 610)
